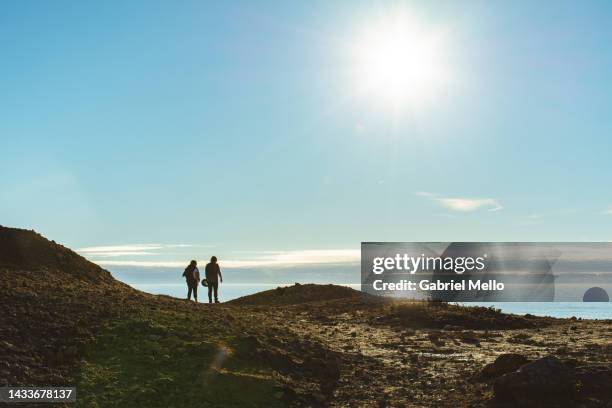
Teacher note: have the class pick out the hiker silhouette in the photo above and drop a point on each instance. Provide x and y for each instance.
(192, 277)
(213, 275)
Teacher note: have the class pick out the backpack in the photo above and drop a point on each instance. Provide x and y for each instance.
(188, 273)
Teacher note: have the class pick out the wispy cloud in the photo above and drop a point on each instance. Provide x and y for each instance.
(265, 259)
(608, 211)
(461, 203)
(112, 251)
(539, 217)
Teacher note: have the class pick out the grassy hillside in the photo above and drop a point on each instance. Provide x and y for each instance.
(173, 358)
(66, 321)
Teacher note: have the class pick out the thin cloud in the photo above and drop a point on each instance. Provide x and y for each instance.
(463, 204)
(142, 264)
(120, 253)
(266, 259)
(112, 251)
(538, 218)
(608, 211)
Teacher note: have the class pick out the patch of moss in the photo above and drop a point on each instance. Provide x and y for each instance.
(172, 359)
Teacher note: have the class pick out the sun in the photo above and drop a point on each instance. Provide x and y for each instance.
(399, 62)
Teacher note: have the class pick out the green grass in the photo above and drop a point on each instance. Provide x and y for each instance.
(172, 359)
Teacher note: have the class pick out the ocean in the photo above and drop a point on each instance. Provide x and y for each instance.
(229, 291)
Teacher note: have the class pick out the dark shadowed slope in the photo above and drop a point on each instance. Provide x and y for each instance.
(27, 250)
(52, 301)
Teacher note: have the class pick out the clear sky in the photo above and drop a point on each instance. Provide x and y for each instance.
(243, 124)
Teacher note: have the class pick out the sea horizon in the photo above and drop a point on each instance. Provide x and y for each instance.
(230, 291)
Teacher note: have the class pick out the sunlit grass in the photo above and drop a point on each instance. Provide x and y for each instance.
(171, 360)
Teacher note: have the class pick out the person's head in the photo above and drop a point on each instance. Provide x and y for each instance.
(213, 259)
(193, 262)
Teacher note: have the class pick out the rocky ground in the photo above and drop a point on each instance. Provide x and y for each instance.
(428, 354)
(65, 321)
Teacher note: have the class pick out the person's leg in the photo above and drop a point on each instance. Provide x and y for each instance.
(210, 292)
(195, 292)
(216, 287)
(189, 288)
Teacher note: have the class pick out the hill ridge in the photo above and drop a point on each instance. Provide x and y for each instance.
(22, 249)
(297, 294)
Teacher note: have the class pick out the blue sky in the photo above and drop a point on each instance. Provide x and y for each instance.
(238, 125)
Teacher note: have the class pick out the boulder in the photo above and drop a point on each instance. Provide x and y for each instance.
(504, 364)
(540, 380)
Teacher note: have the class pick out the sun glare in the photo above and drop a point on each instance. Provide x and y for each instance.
(399, 62)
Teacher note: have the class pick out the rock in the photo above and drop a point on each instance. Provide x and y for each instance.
(506, 363)
(59, 358)
(319, 398)
(71, 352)
(552, 380)
(594, 381)
(289, 395)
(468, 336)
(8, 346)
(521, 338)
(436, 338)
(538, 380)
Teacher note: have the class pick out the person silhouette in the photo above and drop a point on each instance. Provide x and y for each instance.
(192, 277)
(213, 275)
